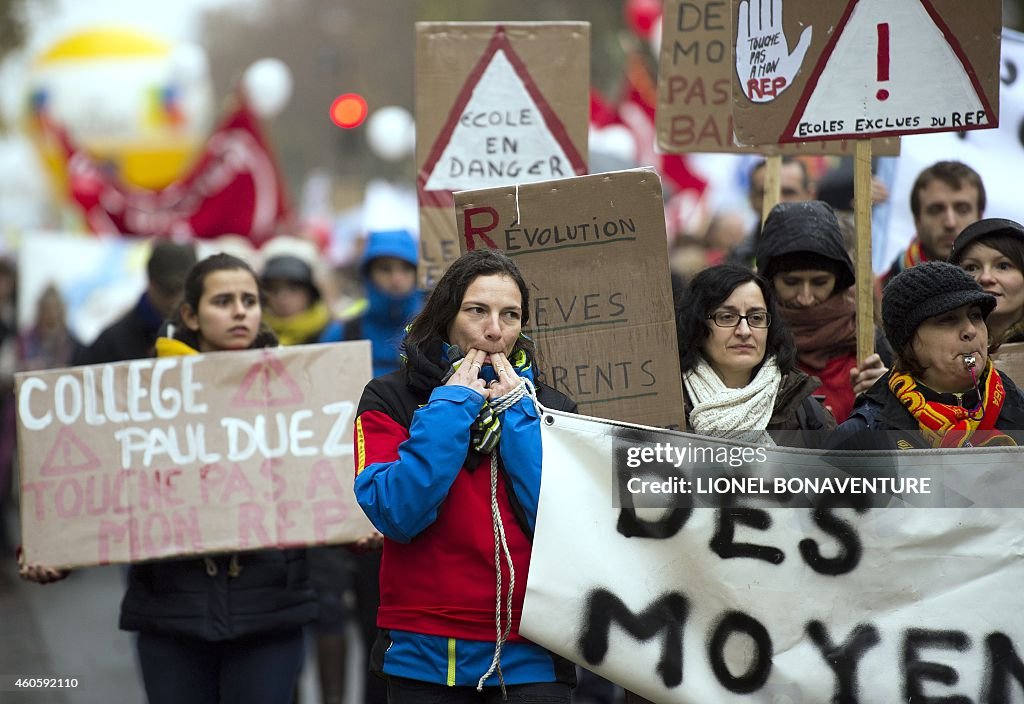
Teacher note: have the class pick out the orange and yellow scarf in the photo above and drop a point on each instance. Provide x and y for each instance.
(913, 255)
(947, 426)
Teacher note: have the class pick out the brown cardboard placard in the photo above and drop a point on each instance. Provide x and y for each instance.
(809, 70)
(592, 249)
(695, 75)
(158, 458)
(496, 104)
(1009, 359)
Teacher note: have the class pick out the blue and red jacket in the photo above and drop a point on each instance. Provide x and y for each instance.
(429, 494)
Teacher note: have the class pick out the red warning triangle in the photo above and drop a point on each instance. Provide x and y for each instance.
(69, 455)
(268, 383)
(499, 51)
(932, 77)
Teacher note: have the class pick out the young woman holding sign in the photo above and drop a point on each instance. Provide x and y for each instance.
(225, 627)
(448, 469)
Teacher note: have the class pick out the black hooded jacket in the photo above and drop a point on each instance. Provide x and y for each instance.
(807, 227)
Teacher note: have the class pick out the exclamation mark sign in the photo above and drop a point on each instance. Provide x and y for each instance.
(883, 59)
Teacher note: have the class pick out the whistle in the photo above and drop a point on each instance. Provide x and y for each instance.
(969, 361)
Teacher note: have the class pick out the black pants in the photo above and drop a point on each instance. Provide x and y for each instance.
(261, 669)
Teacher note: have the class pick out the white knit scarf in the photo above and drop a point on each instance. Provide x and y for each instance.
(738, 414)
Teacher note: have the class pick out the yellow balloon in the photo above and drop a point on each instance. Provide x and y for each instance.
(137, 103)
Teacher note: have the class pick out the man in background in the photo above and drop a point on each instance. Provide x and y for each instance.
(795, 185)
(132, 336)
(946, 197)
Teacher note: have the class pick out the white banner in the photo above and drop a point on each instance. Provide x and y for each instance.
(797, 605)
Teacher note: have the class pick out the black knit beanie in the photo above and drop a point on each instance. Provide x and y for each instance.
(989, 227)
(928, 289)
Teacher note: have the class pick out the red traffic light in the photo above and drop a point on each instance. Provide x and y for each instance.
(348, 110)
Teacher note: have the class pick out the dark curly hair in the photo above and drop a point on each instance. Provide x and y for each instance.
(195, 283)
(708, 290)
(444, 301)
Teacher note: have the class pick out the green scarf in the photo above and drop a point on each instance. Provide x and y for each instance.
(486, 430)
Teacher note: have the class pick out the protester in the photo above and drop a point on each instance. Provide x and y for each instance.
(992, 251)
(49, 344)
(725, 232)
(801, 252)
(934, 316)
(946, 197)
(298, 315)
(449, 469)
(133, 334)
(225, 627)
(738, 362)
(795, 185)
(389, 278)
(296, 311)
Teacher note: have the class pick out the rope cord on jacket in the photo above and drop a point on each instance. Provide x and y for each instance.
(499, 405)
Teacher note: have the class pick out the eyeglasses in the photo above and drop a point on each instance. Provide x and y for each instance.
(728, 319)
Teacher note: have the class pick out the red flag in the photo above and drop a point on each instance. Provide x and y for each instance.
(234, 188)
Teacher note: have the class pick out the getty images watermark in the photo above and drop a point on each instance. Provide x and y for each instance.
(650, 472)
(668, 454)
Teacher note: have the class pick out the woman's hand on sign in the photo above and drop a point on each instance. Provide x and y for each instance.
(41, 574)
(865, 374)
(468, 373)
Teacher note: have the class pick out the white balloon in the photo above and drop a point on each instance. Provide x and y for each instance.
(190, 64)
(391, 133)
(268, 86)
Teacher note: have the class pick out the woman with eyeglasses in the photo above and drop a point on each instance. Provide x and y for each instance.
(738, 362)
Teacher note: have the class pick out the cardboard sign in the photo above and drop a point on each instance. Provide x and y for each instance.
(808, 70)
(496, 104)
(218, 452)
(592, 250)
(1009, 359)
(695, 86)
(749, 602)
(995, 154)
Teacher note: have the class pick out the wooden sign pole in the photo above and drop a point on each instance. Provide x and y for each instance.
(863, 271)
(772, 184)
